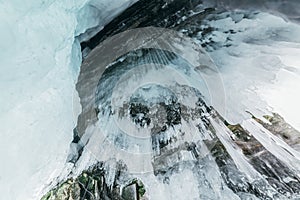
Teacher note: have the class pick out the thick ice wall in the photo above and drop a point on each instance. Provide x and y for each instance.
(40, 61)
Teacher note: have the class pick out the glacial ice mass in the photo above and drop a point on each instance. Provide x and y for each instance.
(40, 62)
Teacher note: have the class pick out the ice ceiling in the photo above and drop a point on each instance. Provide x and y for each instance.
(41, 58)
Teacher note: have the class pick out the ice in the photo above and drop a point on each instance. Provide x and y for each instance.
(40, 61)
(208, 186)
(283, 94)
(288, 10)
(249, 53)
(259, 67)
(240, 160)
(92, 18)
(273, 144)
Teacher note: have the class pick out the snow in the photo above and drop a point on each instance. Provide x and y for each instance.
(40, 62)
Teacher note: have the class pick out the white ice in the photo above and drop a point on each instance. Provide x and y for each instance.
(40, 61)
(261, 69)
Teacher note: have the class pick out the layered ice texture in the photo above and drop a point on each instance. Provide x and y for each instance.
(40, 61)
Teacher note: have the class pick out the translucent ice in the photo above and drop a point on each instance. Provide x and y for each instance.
(40, 60)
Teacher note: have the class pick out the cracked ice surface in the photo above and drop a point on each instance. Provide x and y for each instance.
(40, 61)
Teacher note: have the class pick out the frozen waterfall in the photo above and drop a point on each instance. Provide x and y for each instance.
(208, 110)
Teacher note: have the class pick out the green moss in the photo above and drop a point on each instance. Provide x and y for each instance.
(139, 185)
(239, 132)
(47, 196)
(142, 191)
(66, 190)
(83, 178)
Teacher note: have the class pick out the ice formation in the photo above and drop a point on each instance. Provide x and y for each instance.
(158, 124)
(260, 54)
(256, 53)
(40, 61)
(249, 49)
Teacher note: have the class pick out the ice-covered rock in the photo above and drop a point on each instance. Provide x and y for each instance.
(256, 53)
(127, 107)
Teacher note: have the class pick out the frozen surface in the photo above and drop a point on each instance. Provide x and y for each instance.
(40, 60)
(288, 10)
(274, 144)
(257, 57)
(157, 124)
